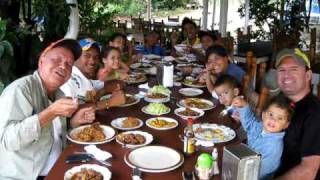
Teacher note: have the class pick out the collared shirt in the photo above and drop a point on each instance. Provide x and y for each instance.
(25, 146)
(269, 145)
(302, 135)
(78, 84)
(235, 71)
(156, 50)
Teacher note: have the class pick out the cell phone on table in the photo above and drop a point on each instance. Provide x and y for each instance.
(78, 158)
(188, 175)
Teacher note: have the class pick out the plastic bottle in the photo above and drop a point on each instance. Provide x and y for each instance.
(188, 139)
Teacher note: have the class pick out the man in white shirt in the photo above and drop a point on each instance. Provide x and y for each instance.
(82, 80)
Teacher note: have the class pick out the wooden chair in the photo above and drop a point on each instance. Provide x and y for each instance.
(146, 25)
(122, 26)
(137, 23)
(158, 26)
(243, 38)
(173, 19)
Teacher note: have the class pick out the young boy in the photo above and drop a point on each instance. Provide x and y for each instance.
(226, 88)
(266, 136)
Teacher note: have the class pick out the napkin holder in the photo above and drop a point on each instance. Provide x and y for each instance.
(165, 74)
(239, 162)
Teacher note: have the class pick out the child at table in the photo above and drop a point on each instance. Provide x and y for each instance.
(266, 136)
(112, 69)
(225, 90)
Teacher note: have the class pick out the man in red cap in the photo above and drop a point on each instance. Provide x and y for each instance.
(33, 114)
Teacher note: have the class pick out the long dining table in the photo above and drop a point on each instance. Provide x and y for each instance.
(170, 138)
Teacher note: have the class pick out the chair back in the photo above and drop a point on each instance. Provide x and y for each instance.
(173, 19)
(197, 21)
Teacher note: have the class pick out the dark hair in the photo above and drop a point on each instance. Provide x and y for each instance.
(207, 33)
(282, 102)
(115, 35)
(228, 80)
(188, 21)
(108, 49)
(216, 49)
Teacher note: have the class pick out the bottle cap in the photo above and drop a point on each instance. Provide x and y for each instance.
(190, 121)
(204, 160)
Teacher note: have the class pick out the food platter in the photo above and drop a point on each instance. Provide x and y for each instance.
(190, 92)
(135, 78)
(140, 65)
(154, 159)
(186, 113)
(156, 98)
(213, 132)
(108, 132)
(130, 100)
(192, 82)
(105, 172)
(134, 139)
(127, 123)
(162, 123)
(198, 103)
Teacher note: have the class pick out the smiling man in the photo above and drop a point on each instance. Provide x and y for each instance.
(33, 115)
(301, 154)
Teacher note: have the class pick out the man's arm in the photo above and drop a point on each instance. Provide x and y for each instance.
(307, 169)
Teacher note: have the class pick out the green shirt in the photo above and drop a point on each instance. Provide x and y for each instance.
(25, 146)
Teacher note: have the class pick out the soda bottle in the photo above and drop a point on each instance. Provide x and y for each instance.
(188, 138)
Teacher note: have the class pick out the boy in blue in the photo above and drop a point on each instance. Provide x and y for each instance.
(266, 136)
(151, 45)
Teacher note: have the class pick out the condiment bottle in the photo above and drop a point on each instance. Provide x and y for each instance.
(214, 155)
(188, 138)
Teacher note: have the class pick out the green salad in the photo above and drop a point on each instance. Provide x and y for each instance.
(157, 108)
(160, 89)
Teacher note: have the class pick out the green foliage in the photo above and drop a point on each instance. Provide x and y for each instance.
(6, 55)
(55, 15)
(131, 7)
(283, 16)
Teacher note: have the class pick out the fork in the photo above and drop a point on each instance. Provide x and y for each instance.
(104, 162)
(225, 111)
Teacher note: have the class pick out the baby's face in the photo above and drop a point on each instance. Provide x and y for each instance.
(274, 119)
(226, 94)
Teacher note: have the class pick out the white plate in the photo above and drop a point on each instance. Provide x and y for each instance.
(137, 100)
(192, 85)
(176, 111)
(227, 133)
(147, 136)
(117, 123)
(163, 128)
(190, 92)
(152, 56)
(211, 105)
(157, 100)
(154, 159)
(109, 132)
(140, 66)
(102, 170)
(180, 48)
(145, 107)
(136, 81)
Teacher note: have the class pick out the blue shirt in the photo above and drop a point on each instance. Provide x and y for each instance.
(269, 145)
(156, 50)
(236, 72)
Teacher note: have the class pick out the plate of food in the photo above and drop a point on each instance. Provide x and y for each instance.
(135, 78)
(193, 82)
(156, 98)
(133, 139)
(190, 92)
(91, 134)
(152, 57)
(130, 99)
(154, 159)
(186, 113)
(140, 65)
(156, 109)
(198, 103)
(213, 132)
(89, 171)
(127, 123)
(162, 123)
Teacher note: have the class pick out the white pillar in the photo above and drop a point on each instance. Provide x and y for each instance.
(213, 13)
(246, 18)
(149, 9)
(205, 14)
(74, 22)
(223, 17)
